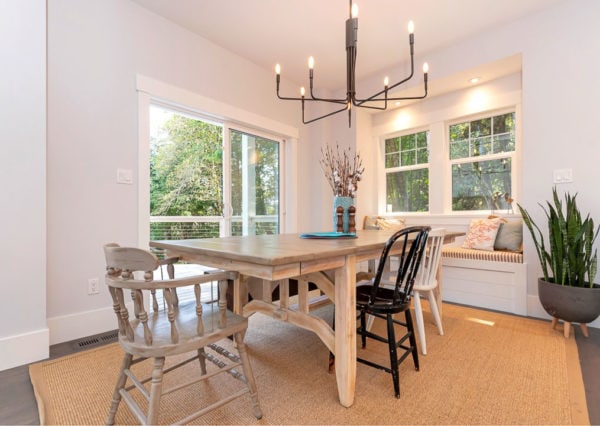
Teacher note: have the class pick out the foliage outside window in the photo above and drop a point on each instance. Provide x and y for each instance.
(186, 175)
(407, 172)
(263, 170)
(187, 178)
(481, 155)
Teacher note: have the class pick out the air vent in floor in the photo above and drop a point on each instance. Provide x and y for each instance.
(96, 340)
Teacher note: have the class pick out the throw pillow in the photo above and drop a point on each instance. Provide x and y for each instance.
(510, 236)
(393, 224)
(370, 222)
(482, 234)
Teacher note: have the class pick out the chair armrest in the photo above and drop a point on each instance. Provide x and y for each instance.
(169, 260)
(174, 283)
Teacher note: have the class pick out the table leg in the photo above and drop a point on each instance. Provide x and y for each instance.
(240, 293)
(345, 330)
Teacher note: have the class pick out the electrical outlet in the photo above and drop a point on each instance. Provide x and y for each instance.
(93, 286)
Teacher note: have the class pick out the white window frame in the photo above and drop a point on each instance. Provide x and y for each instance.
(515, 157)
(152, 91)
(407, 168)
(503, 94)
(228, 126)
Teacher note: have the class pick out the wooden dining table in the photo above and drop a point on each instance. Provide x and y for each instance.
(330, 263)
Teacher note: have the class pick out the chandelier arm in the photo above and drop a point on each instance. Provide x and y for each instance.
(412, 73)
(359, 102)
(321, 117)
(287, 98)
(316, 98)
(407, 98)
(333, 101)
(284, 98)
(382, 108)
(413, 97)
(330, 101)
(372, 98)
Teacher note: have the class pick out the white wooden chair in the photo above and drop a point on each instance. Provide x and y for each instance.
(426, 284)
(176, 329)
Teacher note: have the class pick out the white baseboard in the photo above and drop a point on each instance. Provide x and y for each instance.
(24, 348)
(535, 309)
(81, 324)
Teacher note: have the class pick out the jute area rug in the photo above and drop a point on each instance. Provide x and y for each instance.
(488, 368)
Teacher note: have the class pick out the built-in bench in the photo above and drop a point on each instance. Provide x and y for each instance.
(489, 279)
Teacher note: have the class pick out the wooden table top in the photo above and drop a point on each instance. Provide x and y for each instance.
(280, 249)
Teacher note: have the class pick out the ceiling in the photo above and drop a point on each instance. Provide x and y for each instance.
(267, 32)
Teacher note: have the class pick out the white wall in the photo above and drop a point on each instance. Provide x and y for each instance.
(560, 125)
(560, 111)
(368, 147)
(23, 330)
(96, 50)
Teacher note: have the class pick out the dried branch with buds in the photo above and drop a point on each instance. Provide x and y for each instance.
(342, 170)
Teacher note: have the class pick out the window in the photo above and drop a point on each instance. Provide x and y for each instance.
(191, 184)
(254, 164)
(481, 156)
(407, 172)
(186, 175)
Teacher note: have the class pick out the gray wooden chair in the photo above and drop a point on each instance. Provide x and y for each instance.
(175, 329)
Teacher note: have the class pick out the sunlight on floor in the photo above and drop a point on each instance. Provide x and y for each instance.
(480, 321)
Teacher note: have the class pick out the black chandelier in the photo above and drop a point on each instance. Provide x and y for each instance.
(351, 99)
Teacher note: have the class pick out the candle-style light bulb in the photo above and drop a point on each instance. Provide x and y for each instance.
(277, 69)
(425, 68)
(354, 11)
(311, 63)
(386, 81)
(411, 27)
(302, 91)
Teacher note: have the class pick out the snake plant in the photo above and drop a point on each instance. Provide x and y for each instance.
(569, 258)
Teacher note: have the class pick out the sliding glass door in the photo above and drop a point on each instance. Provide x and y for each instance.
(254, 177)
(203, 184)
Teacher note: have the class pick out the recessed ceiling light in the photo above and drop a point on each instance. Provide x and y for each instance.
(474, 80)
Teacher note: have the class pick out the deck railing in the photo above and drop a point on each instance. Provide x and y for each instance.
(189, 227)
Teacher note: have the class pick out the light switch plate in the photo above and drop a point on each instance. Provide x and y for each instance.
(125, 176)
(563, 175)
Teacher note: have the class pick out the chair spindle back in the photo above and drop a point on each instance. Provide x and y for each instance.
(408, 244)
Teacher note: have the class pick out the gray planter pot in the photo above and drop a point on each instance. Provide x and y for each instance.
(572, 304)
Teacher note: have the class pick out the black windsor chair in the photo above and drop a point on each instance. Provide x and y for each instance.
(383, 299)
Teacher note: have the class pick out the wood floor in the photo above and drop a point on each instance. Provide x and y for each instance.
(18, 405)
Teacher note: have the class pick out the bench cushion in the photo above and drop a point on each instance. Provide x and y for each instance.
(382, 222)
(473, 254)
